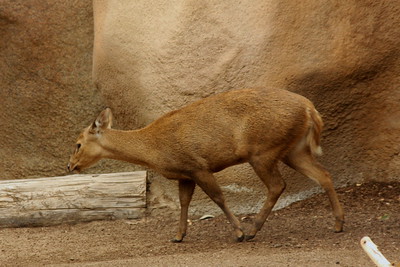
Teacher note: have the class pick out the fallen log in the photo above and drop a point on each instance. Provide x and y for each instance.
(72, 199)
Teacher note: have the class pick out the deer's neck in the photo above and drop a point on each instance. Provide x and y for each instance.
(131, 146)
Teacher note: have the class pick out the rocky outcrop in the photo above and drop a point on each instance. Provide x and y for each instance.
(46, 92)
(152, 57)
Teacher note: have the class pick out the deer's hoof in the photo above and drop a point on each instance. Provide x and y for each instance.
(240, 238)
(339, 226)
(249, 237)
(178, 238)
(174, 240)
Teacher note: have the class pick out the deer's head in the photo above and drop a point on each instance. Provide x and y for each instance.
(88, 148)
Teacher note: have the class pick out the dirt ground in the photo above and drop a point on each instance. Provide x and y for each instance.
(299, 235)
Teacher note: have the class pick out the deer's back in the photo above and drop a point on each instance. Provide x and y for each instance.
(225, 129)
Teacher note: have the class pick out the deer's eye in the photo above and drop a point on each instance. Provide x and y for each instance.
(78, 146)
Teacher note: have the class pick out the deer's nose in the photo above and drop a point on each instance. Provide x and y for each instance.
(69, 167)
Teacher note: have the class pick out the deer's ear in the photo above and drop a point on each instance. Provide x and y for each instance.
(103, 121)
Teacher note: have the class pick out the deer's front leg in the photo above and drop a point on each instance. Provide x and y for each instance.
(207, 182)
(186, 189)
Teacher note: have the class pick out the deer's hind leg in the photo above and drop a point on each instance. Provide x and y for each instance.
(271, 177)
(186, 189)
(304, 162)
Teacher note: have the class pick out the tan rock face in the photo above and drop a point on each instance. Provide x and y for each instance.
(46, 93)
(154, 56)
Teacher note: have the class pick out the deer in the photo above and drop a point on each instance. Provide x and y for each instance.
(259, 126)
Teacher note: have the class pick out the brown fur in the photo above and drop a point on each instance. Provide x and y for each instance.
(258, 126)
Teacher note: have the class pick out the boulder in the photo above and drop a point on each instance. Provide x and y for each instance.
(46, 90)
(151, 57)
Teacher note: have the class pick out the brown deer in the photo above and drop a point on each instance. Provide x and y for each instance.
(258, 126)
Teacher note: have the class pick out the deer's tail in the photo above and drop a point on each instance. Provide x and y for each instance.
(314, 132)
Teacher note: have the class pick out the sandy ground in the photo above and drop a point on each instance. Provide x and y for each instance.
(299, 235)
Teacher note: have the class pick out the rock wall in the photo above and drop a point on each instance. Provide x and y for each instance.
(46, 92)
(154, 56)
